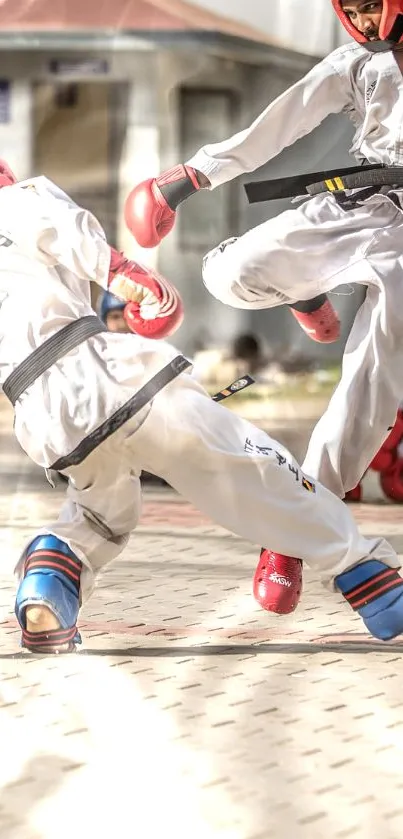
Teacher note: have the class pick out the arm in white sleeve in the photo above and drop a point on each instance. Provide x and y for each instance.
(55, 232)
(300, 109)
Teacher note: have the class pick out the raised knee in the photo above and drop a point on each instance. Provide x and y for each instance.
(237, 279)
(223, 271)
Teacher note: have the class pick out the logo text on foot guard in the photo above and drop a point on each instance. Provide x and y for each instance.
(281, 581)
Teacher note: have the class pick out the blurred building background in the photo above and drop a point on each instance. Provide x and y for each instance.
(100, 95)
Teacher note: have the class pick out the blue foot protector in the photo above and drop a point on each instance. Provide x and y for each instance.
(375, 591)
(51, 578)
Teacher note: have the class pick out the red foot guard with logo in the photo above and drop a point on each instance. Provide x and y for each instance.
(277, 584)
(321, 325)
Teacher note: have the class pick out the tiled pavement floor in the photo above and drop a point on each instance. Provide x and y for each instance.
(189, 713)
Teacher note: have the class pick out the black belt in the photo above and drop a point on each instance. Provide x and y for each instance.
(53, 349)
(57, 346)
(126, 412)
(332, 180)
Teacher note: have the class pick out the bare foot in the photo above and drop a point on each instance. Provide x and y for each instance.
(41, 619)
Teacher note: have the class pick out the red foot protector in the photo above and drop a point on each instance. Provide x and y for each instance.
(392, 482)
(396, 433)
(383, 461)
(354, 496)
(277, 584)
(322, 325)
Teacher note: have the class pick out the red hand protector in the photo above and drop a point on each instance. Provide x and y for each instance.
(154, 308)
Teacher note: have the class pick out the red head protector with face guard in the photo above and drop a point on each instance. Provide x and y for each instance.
(390, 29)
(7, 177)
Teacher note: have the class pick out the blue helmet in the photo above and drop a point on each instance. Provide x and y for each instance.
(110, 303)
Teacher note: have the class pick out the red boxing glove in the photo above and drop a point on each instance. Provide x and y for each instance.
(154, 308)
(150, 207)
(7, 177)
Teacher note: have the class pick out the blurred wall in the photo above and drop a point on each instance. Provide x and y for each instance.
(98, 122)
(306, 26)
(252, 88)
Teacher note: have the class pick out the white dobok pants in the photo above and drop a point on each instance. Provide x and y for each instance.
(310, 250)
(233, 472)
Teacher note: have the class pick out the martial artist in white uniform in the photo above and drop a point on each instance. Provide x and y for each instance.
(85, 414)
(323, 242)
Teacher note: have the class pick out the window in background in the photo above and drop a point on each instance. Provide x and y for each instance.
(66, 95)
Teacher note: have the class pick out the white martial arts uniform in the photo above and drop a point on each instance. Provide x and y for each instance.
(229, 469)
(321, 244)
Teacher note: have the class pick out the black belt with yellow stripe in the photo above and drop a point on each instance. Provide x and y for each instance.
(332, 180)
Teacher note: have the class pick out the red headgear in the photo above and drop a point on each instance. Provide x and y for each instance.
(390, 29)
(7, 177)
